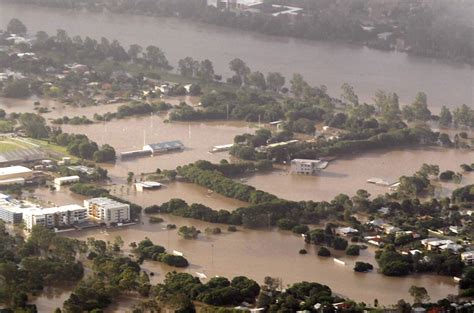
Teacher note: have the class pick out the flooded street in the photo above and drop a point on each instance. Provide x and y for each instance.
(321, 63)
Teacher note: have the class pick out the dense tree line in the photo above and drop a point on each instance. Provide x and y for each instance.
(81, 146)
(223, 185)
(27, 266)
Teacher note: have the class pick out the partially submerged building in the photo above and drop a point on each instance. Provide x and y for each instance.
(307, 167)
(55, 217)
(163, 147)
(108, 211)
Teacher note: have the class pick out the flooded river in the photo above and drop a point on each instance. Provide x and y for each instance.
(326, 63)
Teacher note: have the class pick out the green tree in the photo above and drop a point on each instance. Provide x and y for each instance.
(445, 117)
(18, 88)
(206, 71)
(298, 85)
(257, 79)
(275, 81)
(348, 94)
(419, 294)
(34, 125)
(15, 26)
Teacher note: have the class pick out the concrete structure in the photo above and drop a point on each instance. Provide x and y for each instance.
(221, 148)
(107, 210)
(468, 257)
(162, 147)
(307, 167)
(66, 180)
(15, 172)
(56, 217)
(82, 169)
(234, 4)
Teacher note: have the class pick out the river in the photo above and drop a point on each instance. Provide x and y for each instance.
(328, 63)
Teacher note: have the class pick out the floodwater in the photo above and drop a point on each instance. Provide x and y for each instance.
(132, 133)
(260, 253)
(322, 63)
(254, 253)
(347, 175)
(58, 109)
(190, 193)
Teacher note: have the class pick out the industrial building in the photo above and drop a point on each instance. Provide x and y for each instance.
(107, 211)
(66, 180)
(17, 171)
(56, 217)
(307, 167)
(147, 185)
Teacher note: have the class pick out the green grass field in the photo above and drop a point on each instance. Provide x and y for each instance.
(8, 146)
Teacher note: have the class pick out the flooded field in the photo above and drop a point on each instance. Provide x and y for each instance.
(347, 175)
(131, 134)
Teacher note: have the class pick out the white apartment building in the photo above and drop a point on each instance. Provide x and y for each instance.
(11, 210)
(307, 167)
(55, 217)
(107, 210)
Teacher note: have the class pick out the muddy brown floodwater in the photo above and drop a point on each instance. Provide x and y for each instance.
(320, 62)
(260, 253)
(254, 253)
(347, 175)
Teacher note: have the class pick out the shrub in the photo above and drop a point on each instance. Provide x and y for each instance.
(300, 229)
(363, 267)
(323, 251)
(353, 250)
(303, 251)
(155, 220)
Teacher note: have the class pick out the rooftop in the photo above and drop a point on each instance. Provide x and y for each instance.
(58, 209)
(175, 144)
(105, 202)
(14, 170)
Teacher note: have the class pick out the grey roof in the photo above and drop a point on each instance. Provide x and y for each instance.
(28, 154)
(167, 145)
